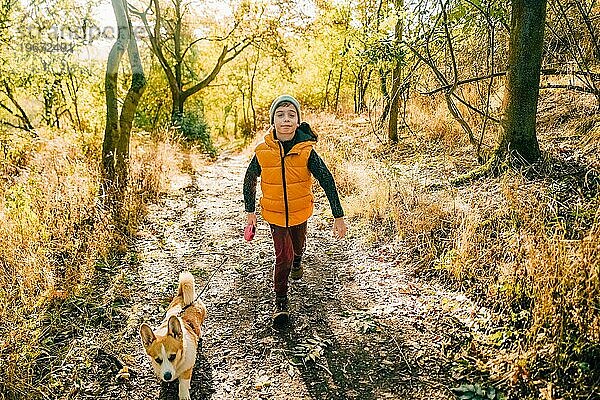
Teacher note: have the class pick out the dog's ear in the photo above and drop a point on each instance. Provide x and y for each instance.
(175, 328)
(147, 335)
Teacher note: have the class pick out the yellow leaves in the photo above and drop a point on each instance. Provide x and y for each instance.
(262, 381)
(123, 374)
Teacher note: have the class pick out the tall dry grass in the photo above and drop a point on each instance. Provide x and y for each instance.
(54, 234)
(540, 270)
(526, 243)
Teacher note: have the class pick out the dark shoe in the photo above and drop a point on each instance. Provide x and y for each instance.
(281, 316)
(297, 270)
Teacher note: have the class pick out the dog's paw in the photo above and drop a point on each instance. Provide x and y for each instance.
(184, 389)
(184, 394)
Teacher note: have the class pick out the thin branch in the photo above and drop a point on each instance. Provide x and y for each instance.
(463, 82)
(487, 15)
(210, 77)
(588, 24)
(450, 92)
(450, 47)
(572, 87)
(491, 38)
(580, 62)
(430, 64)
(473, 108)
(238, 50)
(222, 60)
(155, 40)
(7, 108)
(21, 127)
(545, 71)
(211, 39)
(21, 115)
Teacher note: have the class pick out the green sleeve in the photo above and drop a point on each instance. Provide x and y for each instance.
(250, 180)
(317, 167)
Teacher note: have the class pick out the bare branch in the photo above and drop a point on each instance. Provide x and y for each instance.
(7, 108)
(473, 108)
(211, 76)
(5, 122)
(450, 46)
(545, 71)
(576, 88)
(487, 15)
(575, 43)
(155, 40)
(227, 54)
(450, 92)
(463, 82)
(211, 39)
(21, 114)
(238, 48)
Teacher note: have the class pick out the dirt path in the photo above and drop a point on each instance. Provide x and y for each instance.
(377, 332)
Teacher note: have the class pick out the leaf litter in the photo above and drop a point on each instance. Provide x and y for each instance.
(363, 326)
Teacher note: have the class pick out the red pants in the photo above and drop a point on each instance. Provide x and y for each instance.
(288, 242)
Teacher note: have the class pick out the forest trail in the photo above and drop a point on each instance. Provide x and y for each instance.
(378, 331)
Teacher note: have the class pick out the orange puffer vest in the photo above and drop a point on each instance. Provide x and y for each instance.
(286, 183)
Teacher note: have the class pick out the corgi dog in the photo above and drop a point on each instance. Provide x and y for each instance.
(172, 347)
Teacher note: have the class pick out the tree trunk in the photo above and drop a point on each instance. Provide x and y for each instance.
(395, 95)
(73, 88)
(48, 103)
(339, 82)
(326, 98)
(518, 139)
(176, 106)
(386, 98)
(518, 136)
(235, 125)
(25, 122)
(393, 121)
(361, 85)
(251, 91)
(115, 147)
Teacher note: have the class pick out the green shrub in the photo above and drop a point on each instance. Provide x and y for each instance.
(194, 128)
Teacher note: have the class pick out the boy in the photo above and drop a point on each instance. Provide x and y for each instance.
(286, 162)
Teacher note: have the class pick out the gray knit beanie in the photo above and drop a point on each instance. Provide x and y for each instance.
(278, 101)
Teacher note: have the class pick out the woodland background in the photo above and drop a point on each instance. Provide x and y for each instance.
(426, 80)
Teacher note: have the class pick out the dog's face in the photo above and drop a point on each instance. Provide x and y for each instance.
(165, 352)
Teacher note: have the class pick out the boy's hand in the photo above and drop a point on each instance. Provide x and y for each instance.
(339, 228)
(251, 219)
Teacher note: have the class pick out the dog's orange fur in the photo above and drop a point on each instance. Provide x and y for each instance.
(172, 347)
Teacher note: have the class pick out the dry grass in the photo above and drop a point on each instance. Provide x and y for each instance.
(525, 243)
(53, 234)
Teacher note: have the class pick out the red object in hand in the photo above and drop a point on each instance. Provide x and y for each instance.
(249, 232)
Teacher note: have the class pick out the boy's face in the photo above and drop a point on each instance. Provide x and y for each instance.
(286, 122)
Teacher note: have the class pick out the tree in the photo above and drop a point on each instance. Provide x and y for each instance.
(10, 76)
(39, 61)
(115, 148)
(573, 45)
(523, 80)
(517, 139)
(394, 99)
(172, 42)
